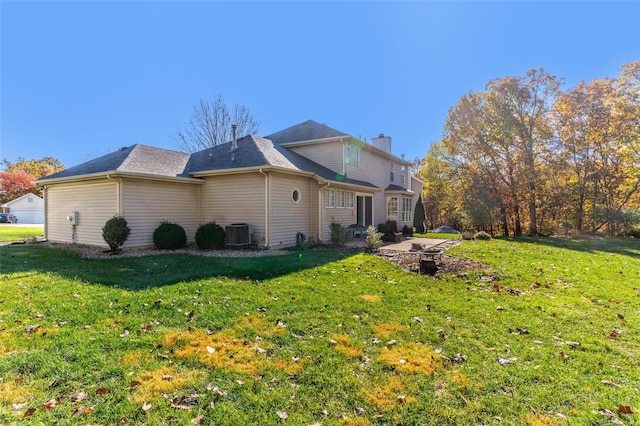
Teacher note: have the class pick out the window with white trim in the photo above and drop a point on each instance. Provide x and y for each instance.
(403, 173)
(392, 208)
(407, 210)
(340, 198)
(350, 199)
(329, 198)
(392, 173)
(352, 155)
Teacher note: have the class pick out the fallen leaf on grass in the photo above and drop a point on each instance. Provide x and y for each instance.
(282, 414)
(198, 420)
(506, 361)
(146, 406)
(32, 328)
(19, 407)
(573, 344)
(29, 413)
(50, 404)
(563, 355)
(134, 384)
(624, 409)
(79, 397)
(612, 416)
(82, 410)
(102, 391)
(125, 333)
(610, 383)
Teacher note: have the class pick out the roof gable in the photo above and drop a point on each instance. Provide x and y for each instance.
(132, 159)
(305, 131)
(16, 200)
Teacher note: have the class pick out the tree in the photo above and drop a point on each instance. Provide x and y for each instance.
(418, 215)
(15, 184)
(523, 104)
(38, 168)
(210, 125)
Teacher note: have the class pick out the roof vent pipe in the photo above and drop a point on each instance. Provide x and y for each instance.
(234, 144)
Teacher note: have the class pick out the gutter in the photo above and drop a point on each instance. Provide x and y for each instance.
(267, 204)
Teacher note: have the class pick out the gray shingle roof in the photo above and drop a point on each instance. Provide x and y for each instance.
(393, 187)
(306, 131)
(132, 159)
(254, 151)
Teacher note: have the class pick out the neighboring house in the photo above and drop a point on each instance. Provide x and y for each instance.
(28, 209)
(295, 180)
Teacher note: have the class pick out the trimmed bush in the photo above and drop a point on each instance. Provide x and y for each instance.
(210, 236)
(169, 236)
(481, 236)
(115, 232)
(407, 231)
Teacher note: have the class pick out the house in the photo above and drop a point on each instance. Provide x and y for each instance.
(293, 181)
(28, 209)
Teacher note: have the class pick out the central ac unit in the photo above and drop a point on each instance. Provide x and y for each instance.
(239, 234)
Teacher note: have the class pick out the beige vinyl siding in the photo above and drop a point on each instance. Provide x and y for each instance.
(146, 203)
(238, 198)
(287, 217)
(95, 203)
(327, 154)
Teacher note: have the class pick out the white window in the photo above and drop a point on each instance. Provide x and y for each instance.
(352, 155)
(392, 208)
(407, 211)
(403, 172)
(392, 174)
(340, 198)
(329, 198)
(350, 200)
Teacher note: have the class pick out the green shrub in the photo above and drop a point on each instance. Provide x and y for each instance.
(210, 236)
(393, 225)
(407, 231)
(169, 236)
(481, 236)
(338, 234)
(115, 232)
(384, 228)
(374, 238)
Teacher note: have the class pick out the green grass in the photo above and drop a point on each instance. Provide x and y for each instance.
(239, 340)
(19, 233)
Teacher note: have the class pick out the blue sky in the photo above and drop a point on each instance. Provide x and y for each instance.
(81, 79)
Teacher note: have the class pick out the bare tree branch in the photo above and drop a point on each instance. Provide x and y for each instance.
(210, 125)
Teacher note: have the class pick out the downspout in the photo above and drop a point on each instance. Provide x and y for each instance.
(118, 194)
(46, 208)
(320, 207)
(267, 216)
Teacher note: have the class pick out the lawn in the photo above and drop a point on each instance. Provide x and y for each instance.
(548, 334)
(18, 233)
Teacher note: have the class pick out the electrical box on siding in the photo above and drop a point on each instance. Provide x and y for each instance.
(73, 218)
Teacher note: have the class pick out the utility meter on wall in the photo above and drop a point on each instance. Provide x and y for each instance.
(73, 218)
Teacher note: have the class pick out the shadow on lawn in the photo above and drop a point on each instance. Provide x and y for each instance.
(625, 247)
(138, 273)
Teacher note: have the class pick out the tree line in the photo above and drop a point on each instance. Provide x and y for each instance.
(524, 156)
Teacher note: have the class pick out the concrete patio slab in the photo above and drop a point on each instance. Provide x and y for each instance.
(407, 244)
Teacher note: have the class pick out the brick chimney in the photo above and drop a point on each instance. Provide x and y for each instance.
(383, 142)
